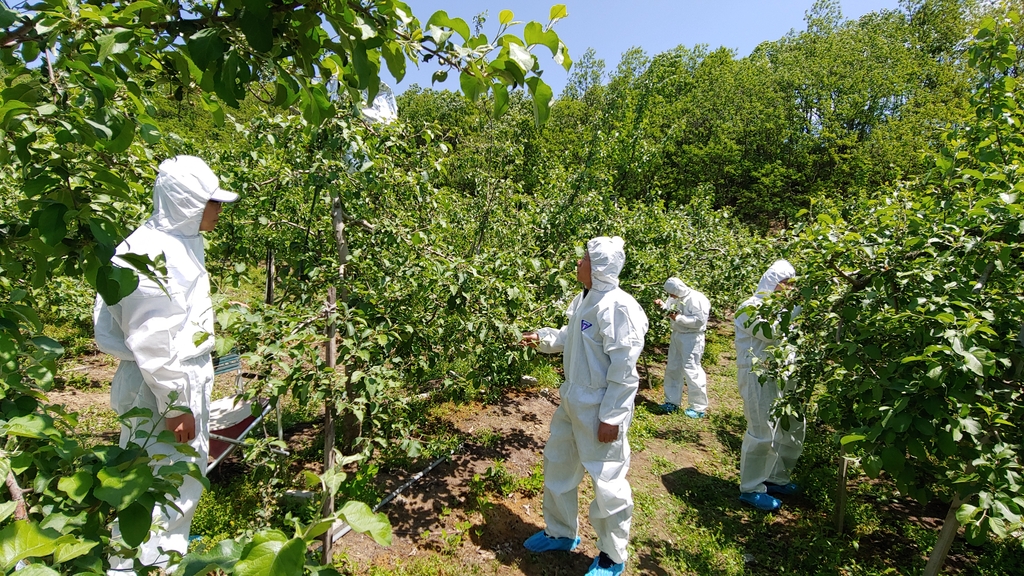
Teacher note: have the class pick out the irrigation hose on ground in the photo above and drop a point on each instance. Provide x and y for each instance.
(343, 527)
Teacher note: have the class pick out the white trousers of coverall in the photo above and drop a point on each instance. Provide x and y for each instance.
(769, 453)
(684, 353)
(170, 529)
(573, 449)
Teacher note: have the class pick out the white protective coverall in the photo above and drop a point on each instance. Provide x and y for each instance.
(600, 347)
(154, 335)
(687, 345)
(769, 453)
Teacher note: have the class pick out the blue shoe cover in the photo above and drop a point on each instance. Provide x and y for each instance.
(668, 408)
(597, 570)
(761, 501)
(782, 489)
(541, 542)
(693, 413)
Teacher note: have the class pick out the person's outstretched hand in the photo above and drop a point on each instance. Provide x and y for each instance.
(658, 302)
(184, 427)
(530, 339)
(607, 432)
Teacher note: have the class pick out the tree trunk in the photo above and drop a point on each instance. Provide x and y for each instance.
(331, 353)
(950, 526)
(351, 424)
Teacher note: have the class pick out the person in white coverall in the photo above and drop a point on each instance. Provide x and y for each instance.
(769, 453)
(688, 312)
(163, 336)
(600, 346)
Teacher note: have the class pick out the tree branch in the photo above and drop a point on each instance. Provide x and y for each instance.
(984, 278)
(17, 495)
(857, 283)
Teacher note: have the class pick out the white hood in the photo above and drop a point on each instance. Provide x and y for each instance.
(780, 270)
(607, 258)
(183, 187)
(675, 286)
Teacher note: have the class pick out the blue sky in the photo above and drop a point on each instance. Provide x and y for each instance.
(612, 27)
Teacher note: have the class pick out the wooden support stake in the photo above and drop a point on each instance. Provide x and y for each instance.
(271, 273)
(950, 526)
(840, 509)
(332, 359)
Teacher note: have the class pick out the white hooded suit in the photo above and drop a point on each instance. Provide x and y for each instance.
(769, 453)
(600, 347)
(163, 336)
(687, 345)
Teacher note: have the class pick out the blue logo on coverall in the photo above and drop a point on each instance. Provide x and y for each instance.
(584, 325)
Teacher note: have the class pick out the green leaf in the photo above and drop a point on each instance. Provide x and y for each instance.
(563, 57)
(52, 228)
(440, 18)
(8, 16)
(50, 347)
(851, 438)
(500, 100)
(946, 443)
(260, 8)
(893, 459)
(395, 59)
(997, 526)
(29, 426)
(872, 465)
(114, 283)
(535, 34)
(119, 489)
(273, 558)
(973, 364)
(23, 539)
(224, 556)
(135, 521)
(258, 32)
(102, 130)
(116, 42)
(30, 51)
(69, 550)
(505, 16)
(124, 138)
(150, 133)
(6, 509)
(522, 57)
(10, 109)
(542, 97)
(77, 485)
(113, 184)
(362, 519)
(205, 47)
(471, 86)
(558, 12)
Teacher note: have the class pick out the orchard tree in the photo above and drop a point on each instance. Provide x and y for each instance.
(911, 342)
(79, 139)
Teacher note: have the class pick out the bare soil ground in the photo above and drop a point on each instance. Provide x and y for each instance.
(437, 505)
(683, 474)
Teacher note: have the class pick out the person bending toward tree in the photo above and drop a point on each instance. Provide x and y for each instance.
(688, 312)
(769, 453)
(163, 335)
(600, 346)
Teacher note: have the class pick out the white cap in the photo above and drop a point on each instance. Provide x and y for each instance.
(195, 174)
(222, 195)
